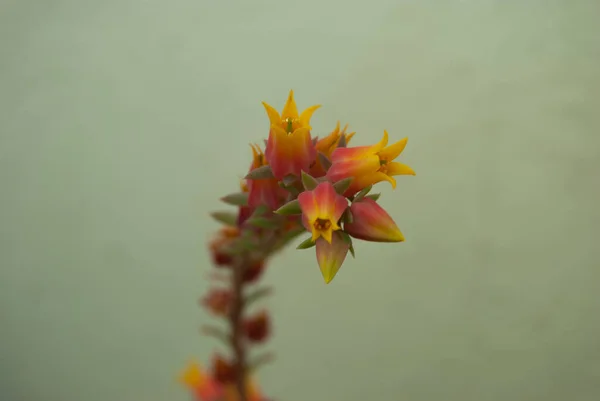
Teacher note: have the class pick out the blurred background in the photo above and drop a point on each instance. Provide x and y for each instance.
(123, 122)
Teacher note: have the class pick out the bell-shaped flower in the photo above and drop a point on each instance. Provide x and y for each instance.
(264, 191)
(290, 148)
(322, 209)
(326, 146)
(368, 165)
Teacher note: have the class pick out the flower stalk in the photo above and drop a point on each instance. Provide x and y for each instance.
(296, 185)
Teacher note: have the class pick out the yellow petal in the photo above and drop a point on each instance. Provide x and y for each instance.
(378, 147)
(307, 114)
(273, 114)
(393, 151)
(193, 376)
(395, 168)
(290, 110)
(327, 234)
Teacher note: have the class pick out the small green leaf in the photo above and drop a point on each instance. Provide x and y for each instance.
(345, 237)
(263, 222)
(257, 294)
(342, 142)
(362, 193)
(289, 179)
(347, 216)
(260, 210)
(260, 360)
(215, 332)
(374, 196)
(306, 244)
(309, 182)
(342, 185)
(290, 208)
(227, 218)
(236, 199)
(351, 249)
(261, 173)
(325, 162)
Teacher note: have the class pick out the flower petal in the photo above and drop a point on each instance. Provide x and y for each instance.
(331, 256)
(331, 205)
(391, 152)
(395, 168)
(353, 167)
(290, 110)
(289, 153)
(307, 114)
(273, 114)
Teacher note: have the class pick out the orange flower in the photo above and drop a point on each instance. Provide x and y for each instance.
(368, 164)
(290, 149)
(321, 210)
(327, 145)
(372, 223)
(263, 191)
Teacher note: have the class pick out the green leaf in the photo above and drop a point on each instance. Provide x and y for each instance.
(348, 240)
(324, 160)
(236, 199)
(306, 244)
(359, 196)
(289, 179)
(227, 218)
(347, 216)
(290, 208)
(342, 185)
(261, 173)
(263, 222)
(215, 332)
(260, 360)
(260, 210)
(309, 182)
(257, 294)
(374, 197)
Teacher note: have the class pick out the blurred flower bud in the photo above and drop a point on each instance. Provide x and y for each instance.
(257, 328)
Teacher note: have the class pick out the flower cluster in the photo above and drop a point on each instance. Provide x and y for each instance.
(297, 184)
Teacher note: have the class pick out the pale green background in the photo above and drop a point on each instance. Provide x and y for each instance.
(123, 121)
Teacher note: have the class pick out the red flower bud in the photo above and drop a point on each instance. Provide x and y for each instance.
(257, 328)
(218, 301)
(223, 371)
(254, 271)
(218, 244)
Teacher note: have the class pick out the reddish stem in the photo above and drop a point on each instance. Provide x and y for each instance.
(235, 321)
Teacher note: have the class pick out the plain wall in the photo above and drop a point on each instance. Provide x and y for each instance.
(123, 122)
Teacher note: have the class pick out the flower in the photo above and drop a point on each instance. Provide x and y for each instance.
(321, 210)
(331, 256)
(257, 328)
(289, 148)
(326, 146)
(218, 245)
(371, 223)
(207, 388)
(254, 271)
(263, 191)
(218, 301)
(368, 164)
